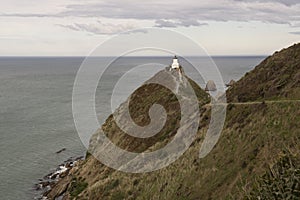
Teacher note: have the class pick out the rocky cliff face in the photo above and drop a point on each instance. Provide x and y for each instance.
(259, 143)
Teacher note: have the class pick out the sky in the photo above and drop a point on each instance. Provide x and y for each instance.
(75, 28)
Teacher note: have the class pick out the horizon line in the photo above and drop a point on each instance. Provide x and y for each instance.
(82, 56)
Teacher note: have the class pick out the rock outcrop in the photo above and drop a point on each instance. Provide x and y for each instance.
(231, 83)
(210, 86)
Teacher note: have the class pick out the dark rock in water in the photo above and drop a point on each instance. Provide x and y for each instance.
(47, 176)
(44, 184)
(210, 86)
(54, 176)
(63, 149)
(37, 186)
(48, 182)
(69, 164)
(79, 158)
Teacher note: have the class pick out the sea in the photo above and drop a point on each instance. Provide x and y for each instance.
(36, 117)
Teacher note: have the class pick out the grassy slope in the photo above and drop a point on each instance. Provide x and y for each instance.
(255, 138)
(277, 77)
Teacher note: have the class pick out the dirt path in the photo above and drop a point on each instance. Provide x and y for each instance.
(267, 102)
(257, 102)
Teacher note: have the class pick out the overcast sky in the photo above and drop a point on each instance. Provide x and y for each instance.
(75, 28)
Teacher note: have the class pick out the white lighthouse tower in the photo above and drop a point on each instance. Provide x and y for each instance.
(175, 67)
(175, 64)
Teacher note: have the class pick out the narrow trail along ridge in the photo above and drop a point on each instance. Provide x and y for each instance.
(256, 102)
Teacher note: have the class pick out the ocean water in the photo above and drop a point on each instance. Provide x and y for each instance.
(36, 111)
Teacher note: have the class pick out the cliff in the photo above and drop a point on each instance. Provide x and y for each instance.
(257, 154)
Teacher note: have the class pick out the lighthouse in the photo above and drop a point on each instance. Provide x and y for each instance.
(175, 68)
(175, 63)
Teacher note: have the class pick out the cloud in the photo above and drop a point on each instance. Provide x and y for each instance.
(174, 13)
(169, 13)
(295, 25)
(172, 24)
(285, 2)
(191, 22)
(100, 28)
(165, 23)
(295, 33)
(28, 15)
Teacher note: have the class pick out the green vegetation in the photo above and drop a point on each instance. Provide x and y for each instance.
(77, 187)
(277, 77)
(256, 157)
(118, 196)
(110, 188)
(112, 184)
(281, 181)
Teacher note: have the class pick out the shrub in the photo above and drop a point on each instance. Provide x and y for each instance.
(281, 181)
(77, 187)
(117, 196)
